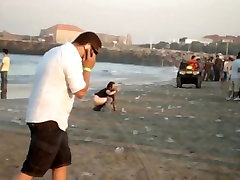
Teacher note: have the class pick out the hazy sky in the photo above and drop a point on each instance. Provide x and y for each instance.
(145, 20)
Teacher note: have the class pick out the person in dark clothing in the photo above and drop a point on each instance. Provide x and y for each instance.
(101, 97)
(218, 67)
(208, 69)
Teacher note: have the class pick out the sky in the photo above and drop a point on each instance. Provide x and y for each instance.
(147, 21)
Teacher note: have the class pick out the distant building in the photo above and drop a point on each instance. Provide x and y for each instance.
(60, 33)
(112, 39)
(216, 38)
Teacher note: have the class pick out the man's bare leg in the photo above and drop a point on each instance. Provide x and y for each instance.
(59, 173)
(23, 176)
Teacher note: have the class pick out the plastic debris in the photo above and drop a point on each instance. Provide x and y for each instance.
(123, 110)
(170, 140)
(156, 113)
(159, 106)
(138, 97)
(86, 174)
(219, 135)
(162, 110)
(9, 110)
(191, 102)
(144, 94)
(119, 150)
(87, 139)
(126, 119)
(191, 117)
(148, 129)
(148, 108)
(166, 118)
(141, 117)
(237, 131)
(179, 116)
(73, 126)
(135, 132)
(169, 107)
(218, 120)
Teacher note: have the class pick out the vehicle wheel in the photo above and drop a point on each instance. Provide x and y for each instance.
(179, 82)
(199, 82)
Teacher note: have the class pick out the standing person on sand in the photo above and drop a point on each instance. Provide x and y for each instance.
(218, 66)
(63, 73)
(4, 68)
(234, 88)
(208, 69)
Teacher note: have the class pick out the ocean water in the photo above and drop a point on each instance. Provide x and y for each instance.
(23, 68)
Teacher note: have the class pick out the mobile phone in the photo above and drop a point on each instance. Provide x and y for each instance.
(88, 49)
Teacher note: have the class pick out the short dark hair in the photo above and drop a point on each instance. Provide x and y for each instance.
(193, 57)
(91, 38)
(5, 51)
(110, 84)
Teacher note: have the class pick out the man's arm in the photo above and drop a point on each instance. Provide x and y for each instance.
(80, 94)
(88, 63)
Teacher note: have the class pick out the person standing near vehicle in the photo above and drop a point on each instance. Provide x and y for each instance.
(234, 86)
(63, 73)
(218, 66)
(4, 68)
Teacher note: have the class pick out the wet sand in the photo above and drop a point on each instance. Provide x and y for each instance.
(164, 132)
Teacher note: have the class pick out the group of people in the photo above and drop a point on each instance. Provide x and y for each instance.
(220, 69)
(217, 69)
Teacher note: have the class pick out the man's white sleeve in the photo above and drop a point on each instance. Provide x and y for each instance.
(74, 74)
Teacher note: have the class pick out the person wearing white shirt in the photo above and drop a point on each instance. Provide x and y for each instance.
(235, 79)
(63, 73)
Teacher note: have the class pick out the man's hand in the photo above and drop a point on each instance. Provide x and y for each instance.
(90, 60)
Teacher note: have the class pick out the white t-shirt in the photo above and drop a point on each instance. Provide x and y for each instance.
(235, 66)
(59, 75)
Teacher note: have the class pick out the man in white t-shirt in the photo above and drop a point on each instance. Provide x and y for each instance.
(62, 74)
(235, 79)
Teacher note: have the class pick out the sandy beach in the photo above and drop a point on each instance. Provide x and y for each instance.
(157, 133)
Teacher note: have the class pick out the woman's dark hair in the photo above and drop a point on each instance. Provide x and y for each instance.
(110, 84)
(193, 57)
(91, 38)
(5, 51)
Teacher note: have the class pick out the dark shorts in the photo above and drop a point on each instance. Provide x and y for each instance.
(48, 149)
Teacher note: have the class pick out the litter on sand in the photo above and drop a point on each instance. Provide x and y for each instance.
(119, 150)
(170, 140)
(135, 132)
(87, 139)
(219, 135)
(123, 110)
(218, 120)
(126, 119)
(148, 129)
(138, 97)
